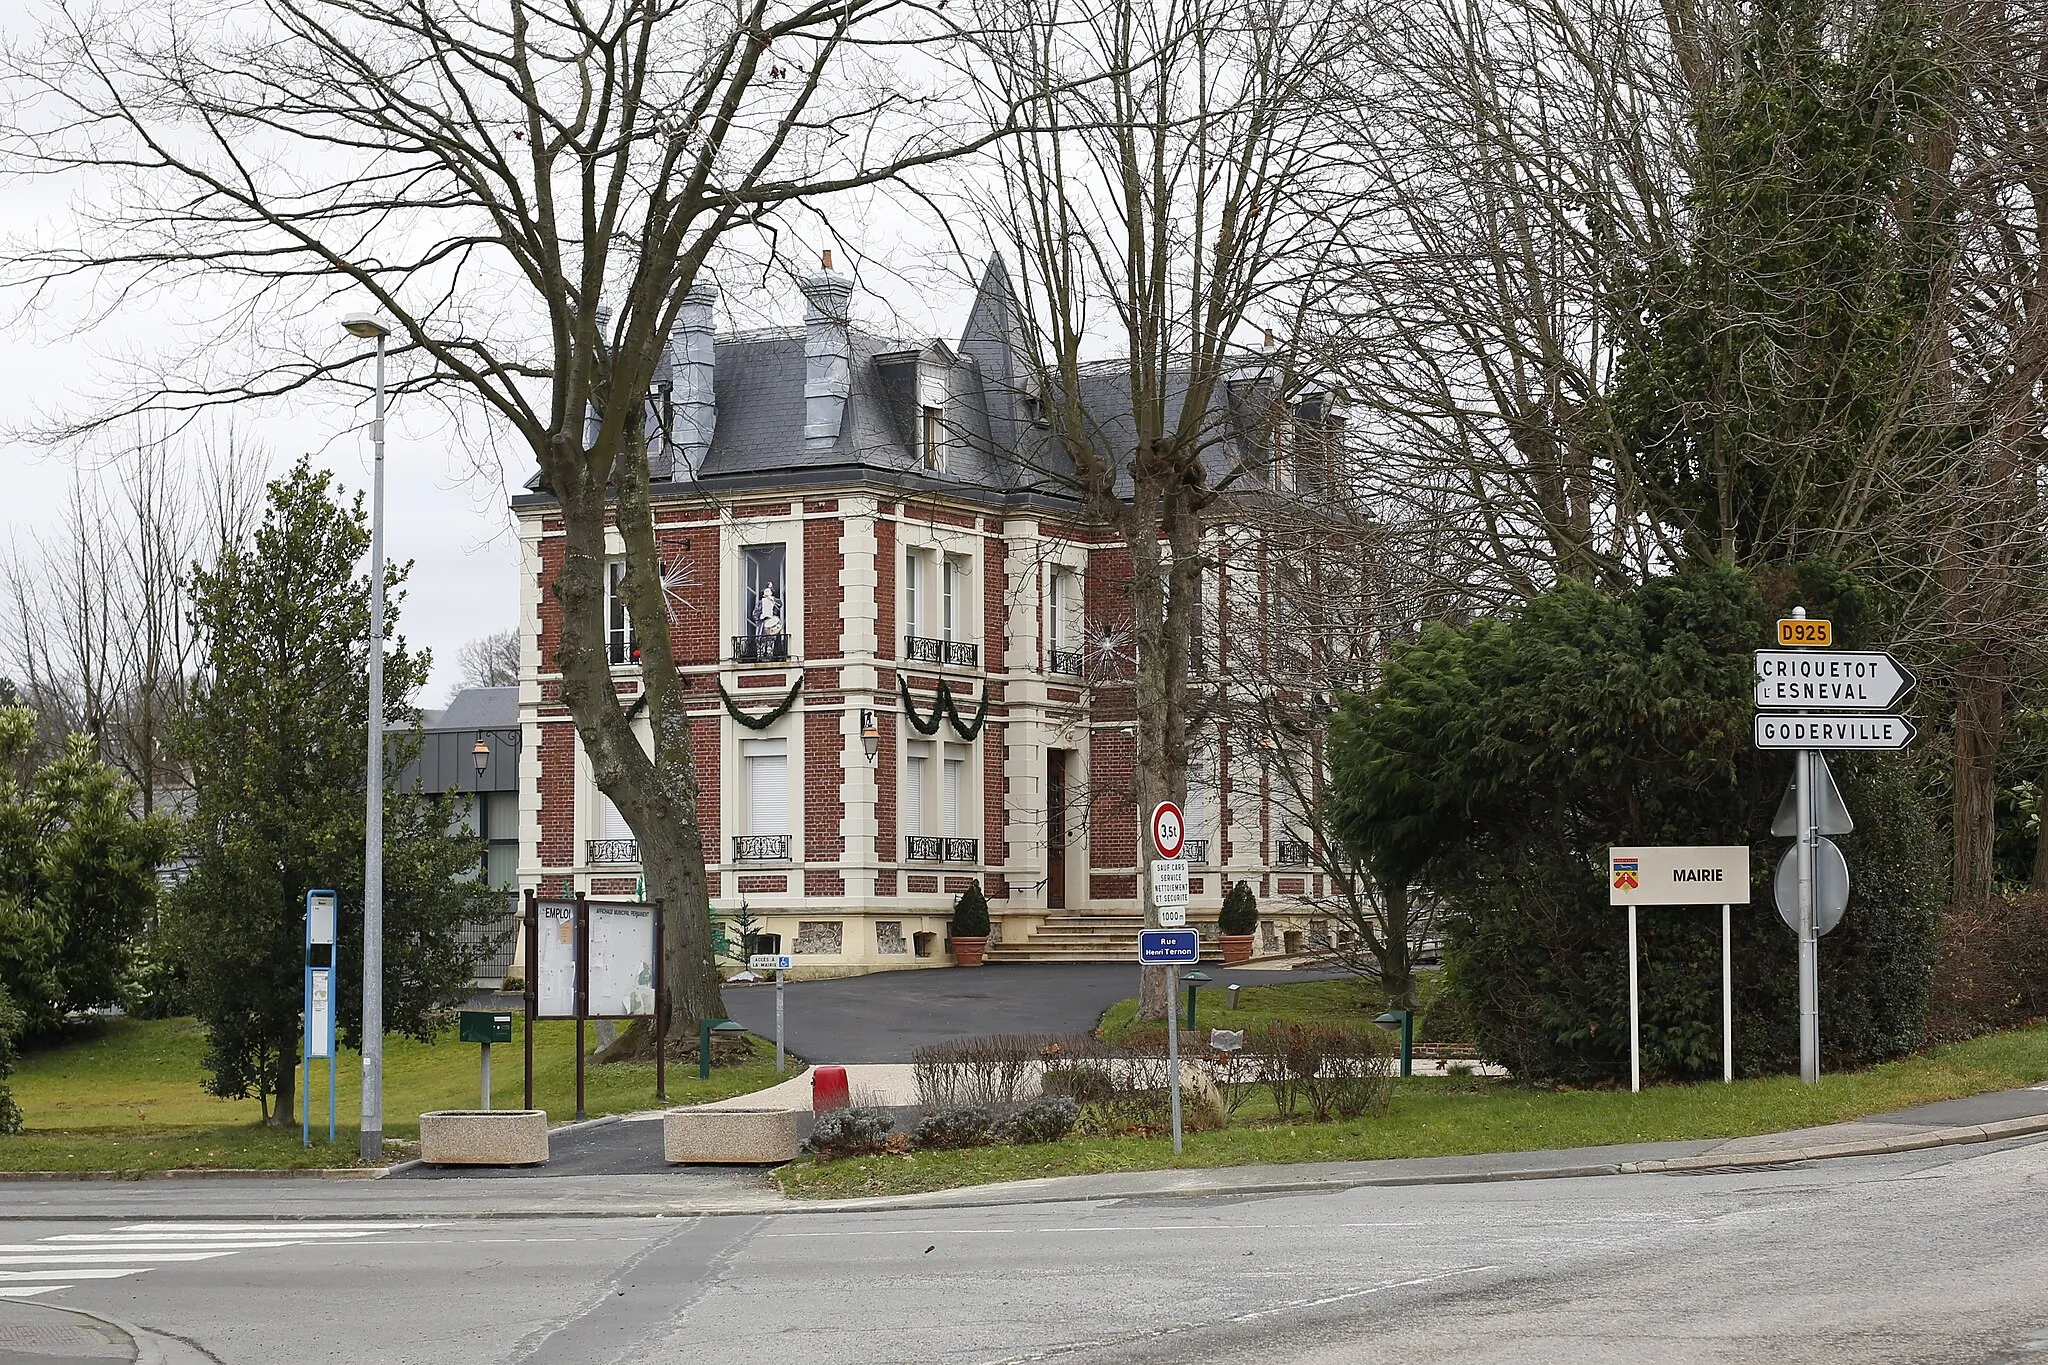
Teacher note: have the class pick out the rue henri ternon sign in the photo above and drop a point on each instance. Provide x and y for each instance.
(1677, 875)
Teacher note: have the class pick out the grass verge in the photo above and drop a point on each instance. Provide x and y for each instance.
(124, 1095)
(1465, 1117)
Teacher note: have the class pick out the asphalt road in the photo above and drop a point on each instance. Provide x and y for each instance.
(1931, 1256)
(884, 1016)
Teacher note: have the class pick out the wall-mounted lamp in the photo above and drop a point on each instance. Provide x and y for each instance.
(481, 755)
(870, 735)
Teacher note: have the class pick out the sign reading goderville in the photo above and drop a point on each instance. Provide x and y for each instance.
(1833, 732)
(1654, 875)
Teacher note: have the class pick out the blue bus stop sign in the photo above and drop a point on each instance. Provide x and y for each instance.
(1169, 947)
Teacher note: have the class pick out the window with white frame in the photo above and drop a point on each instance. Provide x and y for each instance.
(914, 591)
(1063, 620)
(933, 431)
(953, 795)
(764, 606)
(952, 592)
(766, 763)
(917, 789)
(620, 646)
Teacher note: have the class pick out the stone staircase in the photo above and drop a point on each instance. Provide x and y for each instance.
(1073, 936)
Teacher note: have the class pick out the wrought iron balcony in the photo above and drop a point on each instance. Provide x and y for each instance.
(1195, 851)
(1066, 661)
(931, 848)
(924, 649)
(611, 852)
(761, 848)
(1292, 853)
(760, 649)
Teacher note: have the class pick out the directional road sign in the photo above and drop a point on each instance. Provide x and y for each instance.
(1830, 886)
(1813, 680)
(1169, 947)
(1833, 732)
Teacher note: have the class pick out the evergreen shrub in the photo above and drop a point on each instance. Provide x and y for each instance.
(970, 913)
(1240, 913)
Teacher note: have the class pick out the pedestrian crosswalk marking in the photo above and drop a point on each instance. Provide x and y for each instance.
(59, 1261)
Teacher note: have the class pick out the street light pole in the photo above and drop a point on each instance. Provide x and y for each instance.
(371, 1143)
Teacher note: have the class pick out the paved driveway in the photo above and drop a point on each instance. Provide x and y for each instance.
(881, 1017)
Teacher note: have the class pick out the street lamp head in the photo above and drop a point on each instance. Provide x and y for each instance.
(870, 735)
(481, 755)
(365, 326)
(1196, 976)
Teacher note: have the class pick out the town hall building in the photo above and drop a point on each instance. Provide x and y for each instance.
(910, 656)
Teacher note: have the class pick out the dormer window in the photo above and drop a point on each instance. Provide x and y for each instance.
(930, 442)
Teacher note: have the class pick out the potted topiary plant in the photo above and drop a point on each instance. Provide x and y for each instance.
(970, 926)
(1238, 922)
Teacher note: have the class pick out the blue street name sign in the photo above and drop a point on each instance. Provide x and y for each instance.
(1169, 947)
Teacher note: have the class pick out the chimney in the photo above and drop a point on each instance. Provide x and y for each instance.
(693, 365)
(828, 353)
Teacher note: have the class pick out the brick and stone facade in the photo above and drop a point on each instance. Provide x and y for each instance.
(902, 562)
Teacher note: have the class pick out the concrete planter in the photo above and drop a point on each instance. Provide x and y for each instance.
(484, 1137)
(729, 1136)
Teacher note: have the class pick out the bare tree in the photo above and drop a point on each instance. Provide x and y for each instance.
(527, 191)
(490, 660)
(1163, 214)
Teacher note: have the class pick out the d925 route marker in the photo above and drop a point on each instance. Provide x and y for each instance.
(1798, 630)
(1833, 732)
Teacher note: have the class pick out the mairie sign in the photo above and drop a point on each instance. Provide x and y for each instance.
(1812, 680)
(1833, 732)
(1677, 875)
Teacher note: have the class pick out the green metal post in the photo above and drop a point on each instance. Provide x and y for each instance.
(703, 1049)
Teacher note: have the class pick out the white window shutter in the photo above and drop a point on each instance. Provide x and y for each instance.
(610, 823)
(913, 796)
(767, 793)
(956, 773)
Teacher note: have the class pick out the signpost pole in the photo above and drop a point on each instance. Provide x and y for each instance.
(486, 1106)
(1635, 1045)
(660, 1015)
(582, 991)
(780, 976)
(306, 1053)
(1173, 1052)
(1727, 995)
(1809, 946)
(532, 983)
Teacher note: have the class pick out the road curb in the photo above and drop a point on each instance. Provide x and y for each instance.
(202, 1173)
(1961, 1136)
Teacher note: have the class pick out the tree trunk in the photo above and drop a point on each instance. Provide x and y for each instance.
(656, 792)
(2039, 881)
(1397, 976)
(1980, 708)
(286, 1087)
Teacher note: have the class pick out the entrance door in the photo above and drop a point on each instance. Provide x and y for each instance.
(1056, 830)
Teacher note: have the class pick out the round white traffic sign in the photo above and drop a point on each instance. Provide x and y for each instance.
(1169, 830)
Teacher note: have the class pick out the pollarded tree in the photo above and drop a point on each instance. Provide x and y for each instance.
(275, 738)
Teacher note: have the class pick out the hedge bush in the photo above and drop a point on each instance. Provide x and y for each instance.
(1240, 913)
(855, 1131)
(970, 913)
(1496, 763)
(1991, 970)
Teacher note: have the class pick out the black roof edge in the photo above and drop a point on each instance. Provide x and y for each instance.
(845, 477)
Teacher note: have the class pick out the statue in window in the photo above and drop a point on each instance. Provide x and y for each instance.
(768, 612)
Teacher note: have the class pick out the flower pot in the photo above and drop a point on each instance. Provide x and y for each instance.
(1236, 948)
(484, 1137)
(729, 1137)
(967, 951)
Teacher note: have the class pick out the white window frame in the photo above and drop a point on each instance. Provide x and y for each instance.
(752, 750)
(914, 801)
(620, 642)
(956, 784)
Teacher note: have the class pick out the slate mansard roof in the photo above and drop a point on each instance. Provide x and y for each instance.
(995, 450)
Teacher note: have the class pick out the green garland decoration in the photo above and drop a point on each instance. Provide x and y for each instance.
(732, 708)
(968, 732)
(943, 709)
(939, 708)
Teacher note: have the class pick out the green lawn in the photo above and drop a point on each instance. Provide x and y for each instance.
(124, 1095)
(1433, 1117)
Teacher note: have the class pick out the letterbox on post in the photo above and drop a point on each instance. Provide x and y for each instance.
(486, 1027)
